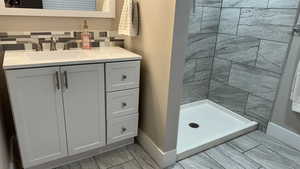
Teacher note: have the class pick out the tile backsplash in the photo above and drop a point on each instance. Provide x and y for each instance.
(238, 61)
(72, 39)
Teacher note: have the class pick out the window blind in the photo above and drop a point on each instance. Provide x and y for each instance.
(87, 5)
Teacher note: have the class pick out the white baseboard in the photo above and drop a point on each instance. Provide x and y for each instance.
(163, 159)
(289, 137)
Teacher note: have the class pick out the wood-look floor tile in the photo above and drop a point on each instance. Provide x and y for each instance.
(113, 158)
(89, 163)
(144, 160)
(270, 160)
(128, 165)
(243, 143)
(200, 161)
(276, 146)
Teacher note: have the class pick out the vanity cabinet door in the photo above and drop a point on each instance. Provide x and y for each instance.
(84, 105)
(36, 100)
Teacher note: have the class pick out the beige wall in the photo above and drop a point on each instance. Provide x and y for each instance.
(160, 91)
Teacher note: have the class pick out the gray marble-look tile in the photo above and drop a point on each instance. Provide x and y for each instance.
(269, 159)
(128, 165)
(143, 159)
(250, 16)
(245, 3)
(240, 49)
(203, 68)
(230, 97)
(195, 19)
(229, 20)
(221, 70)
(210, 20)
(276, 146)
(283, 4)
(272, 55)
(253, 80)
(113, 158)
(267, 32)
(89, 163)
(259, 107)
(203, 64)
(243, 143)
(209, 3)
(189, 70)
(230, 158)
(201, 45)
(200, 161)
(194, 91)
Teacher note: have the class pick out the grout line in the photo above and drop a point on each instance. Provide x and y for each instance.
(252, 148)
(214, 160)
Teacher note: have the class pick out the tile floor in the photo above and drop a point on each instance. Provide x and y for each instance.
(252, 151)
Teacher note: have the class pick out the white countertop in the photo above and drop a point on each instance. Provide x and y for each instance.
(28, 59)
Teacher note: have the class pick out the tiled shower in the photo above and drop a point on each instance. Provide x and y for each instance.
(236, 53)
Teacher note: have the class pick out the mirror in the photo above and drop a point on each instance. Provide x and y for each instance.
(81, 5)
(72, 8)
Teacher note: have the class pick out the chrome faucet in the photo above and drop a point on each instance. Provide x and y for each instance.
(53, 43)
(33, 42)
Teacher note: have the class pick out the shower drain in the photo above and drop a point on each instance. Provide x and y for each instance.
(194, 125)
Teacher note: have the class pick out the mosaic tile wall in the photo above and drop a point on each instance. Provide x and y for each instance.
(65, 40)
(250, 52)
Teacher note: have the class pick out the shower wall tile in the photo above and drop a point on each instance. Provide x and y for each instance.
(194, 91)
(221, 70)
(283, 4)
(237, 48)
(195, 20)
(203, 69)
(259, 82)
(189, 70)
(209, 3)
(229, 20)
(246, 3)
(272, 55)
(230, 97)
(210, 20)
(201, 45)
(268, 32)
(268, 16)
(259, 107)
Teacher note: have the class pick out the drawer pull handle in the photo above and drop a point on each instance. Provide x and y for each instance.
(123, 130)
(124, 104)
(124, 77)
(57, 80)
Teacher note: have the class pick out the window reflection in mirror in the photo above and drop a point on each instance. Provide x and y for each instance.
(81, 5)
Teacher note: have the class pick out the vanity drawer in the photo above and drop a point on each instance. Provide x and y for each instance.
(122, 128)
(122, 103)
(122, 75)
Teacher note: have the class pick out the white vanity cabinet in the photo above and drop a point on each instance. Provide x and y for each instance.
(38, 114)
(67, 109)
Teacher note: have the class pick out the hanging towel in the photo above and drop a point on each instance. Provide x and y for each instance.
(129, 20)
(295, 95)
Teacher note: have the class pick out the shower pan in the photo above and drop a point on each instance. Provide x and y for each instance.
(204, 124)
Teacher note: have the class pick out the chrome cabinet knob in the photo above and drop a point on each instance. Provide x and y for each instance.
(123, 130)
(124, 77)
